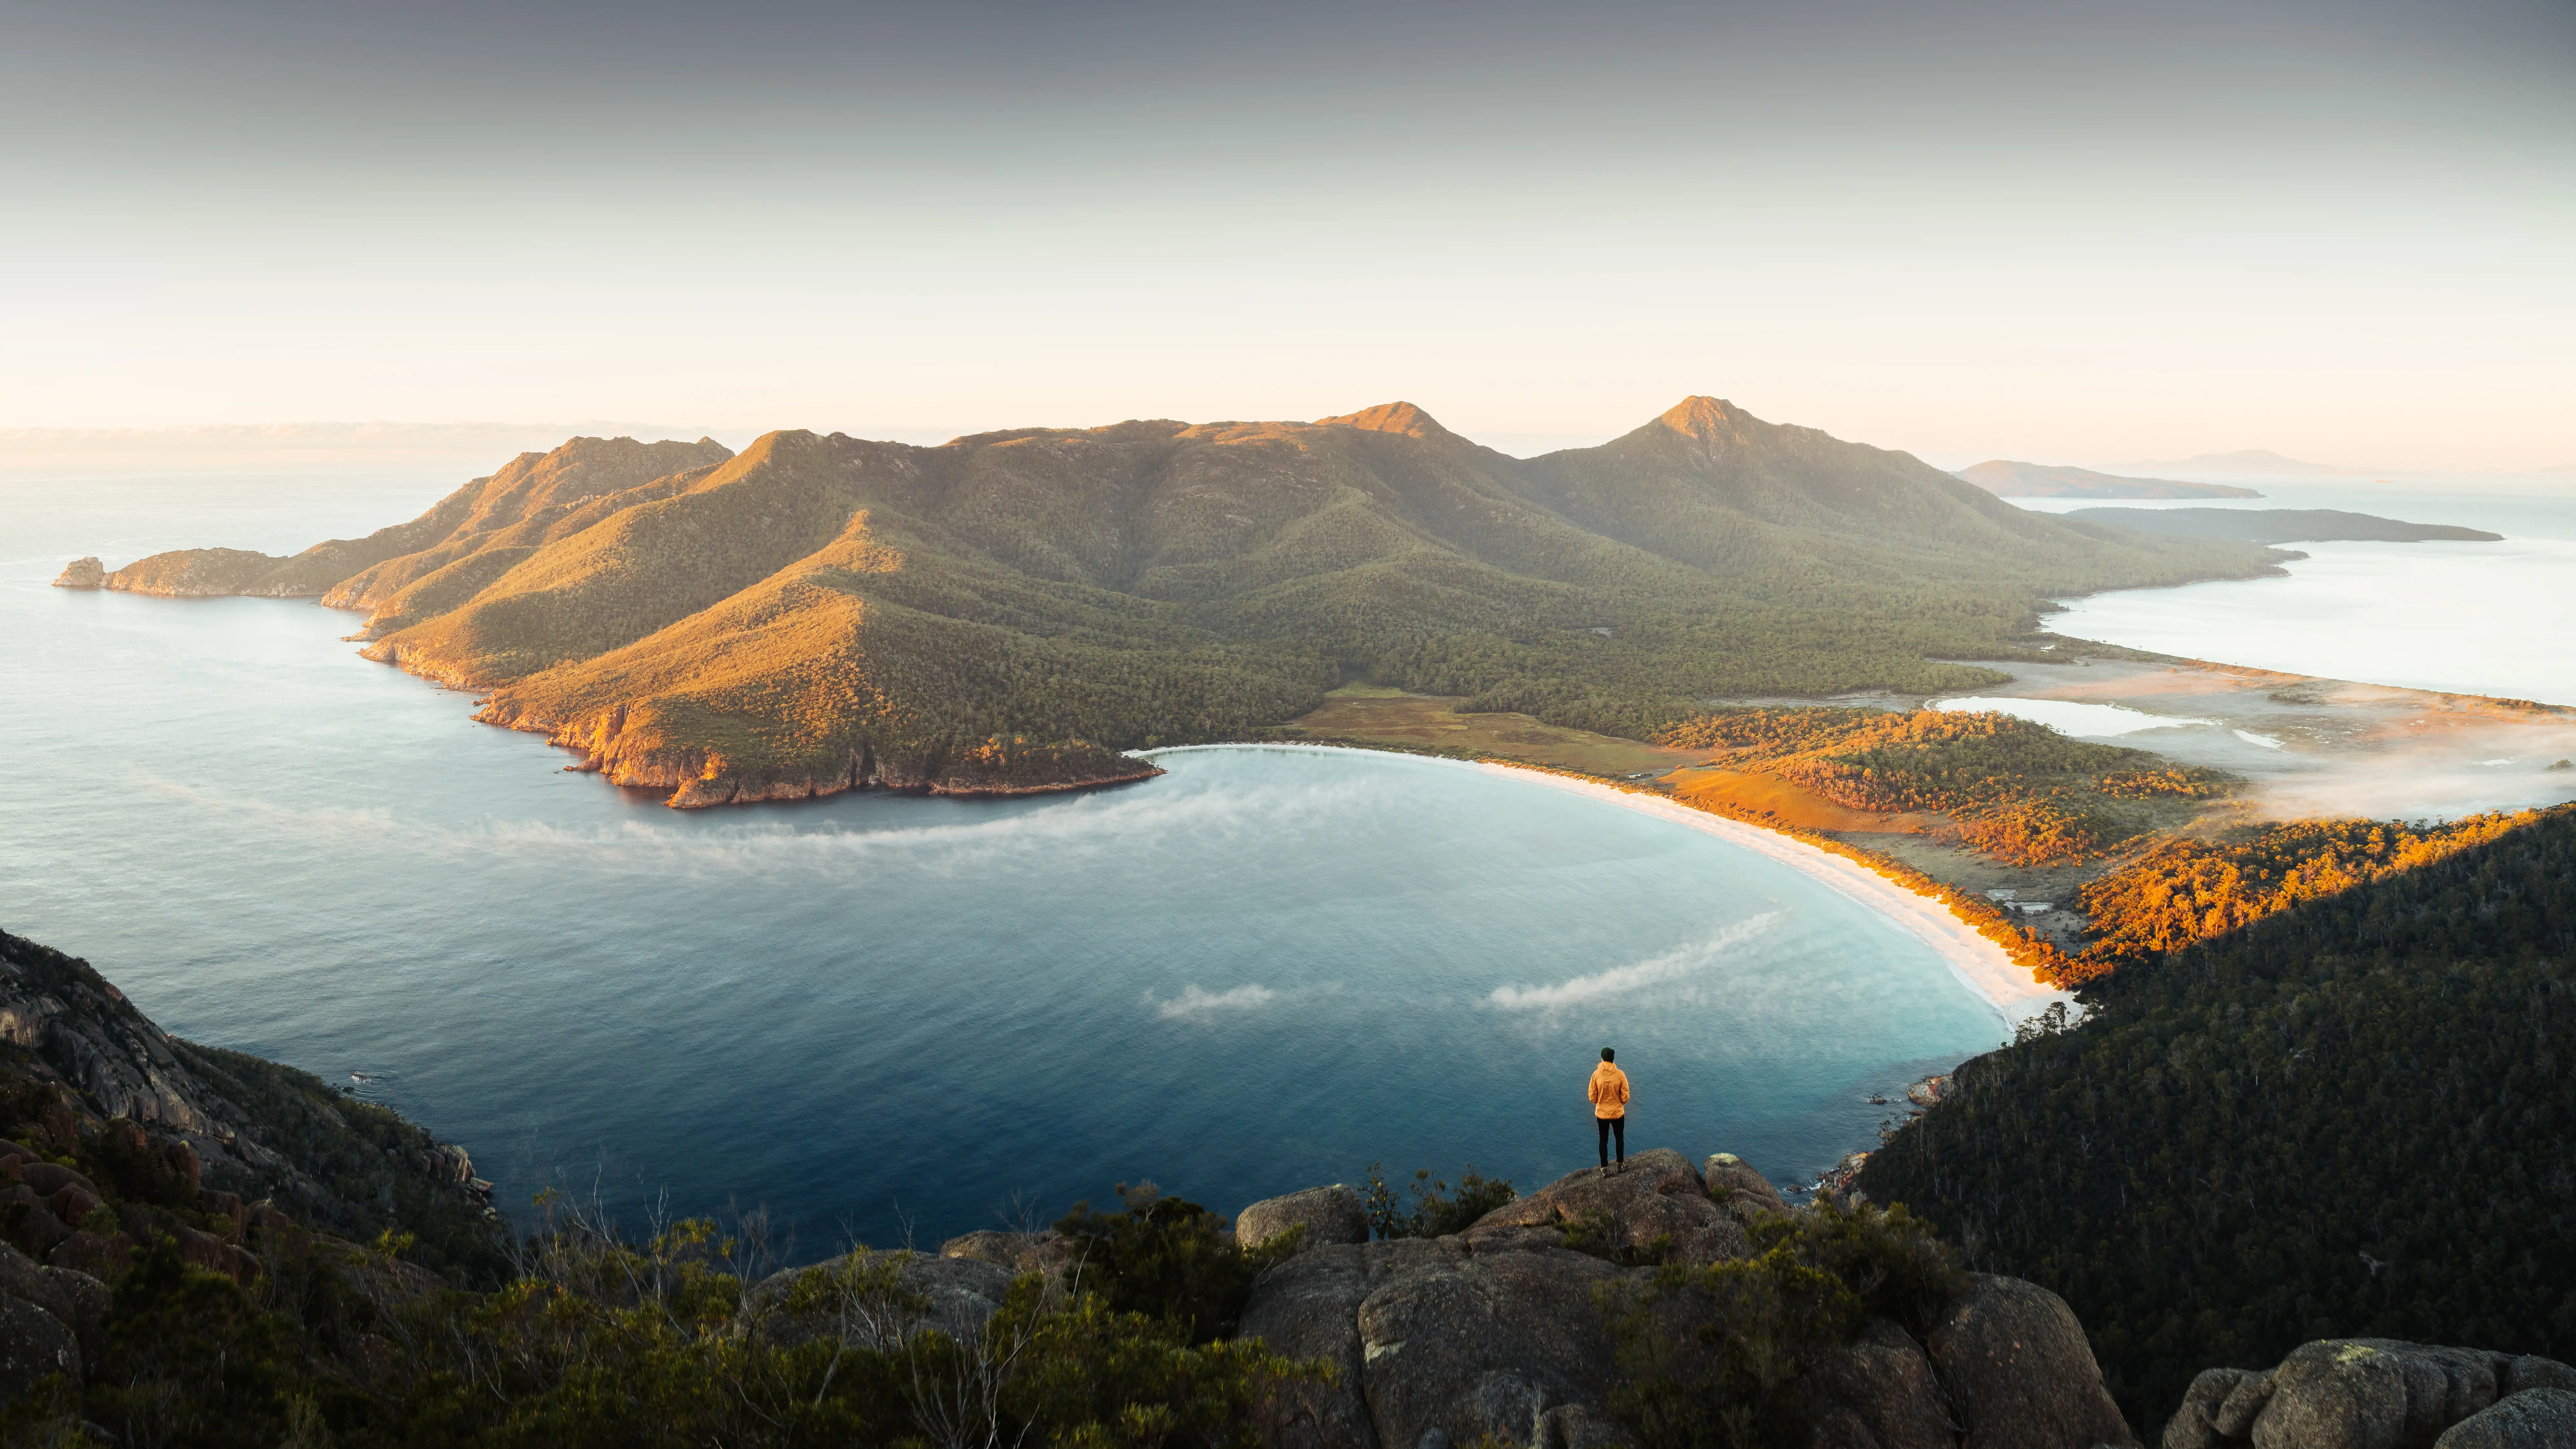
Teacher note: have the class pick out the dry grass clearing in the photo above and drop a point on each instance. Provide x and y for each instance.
(1366, 714)
(1778, 802)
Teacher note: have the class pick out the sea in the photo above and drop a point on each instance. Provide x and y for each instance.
(2470, 618)
(890, 1019)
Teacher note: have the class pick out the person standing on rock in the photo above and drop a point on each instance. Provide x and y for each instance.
(1610, 1109)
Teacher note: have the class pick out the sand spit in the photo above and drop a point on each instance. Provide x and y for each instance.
(1980, 964)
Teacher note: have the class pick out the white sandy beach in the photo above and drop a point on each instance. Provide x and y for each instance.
(1980, 964)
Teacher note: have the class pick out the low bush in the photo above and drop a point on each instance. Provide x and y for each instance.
(1712, 1357)
(1432, 1211)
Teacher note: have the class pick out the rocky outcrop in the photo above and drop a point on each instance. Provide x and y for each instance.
(2013, 1358)
(2532, 1419)
(2377, 1393)
(82, 573)
(52, 1321)
(1657, 1206)
(1500, 1333)
(208, 1116)
(1329, 1217)
(878, 1300)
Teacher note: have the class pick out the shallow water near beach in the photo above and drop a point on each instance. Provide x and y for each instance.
(888, 1016)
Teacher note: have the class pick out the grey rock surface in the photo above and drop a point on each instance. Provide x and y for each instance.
(2015, 1362)
(880, 1300)
(1330, 1215)
(1659, 1194)
(1881, 1393)
(2357, 1393)
(33, 1344)
(2537, 1418)
(1733, 1182)
(82, 573)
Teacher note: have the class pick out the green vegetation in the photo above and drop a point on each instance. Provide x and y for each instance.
(2018, 791)
(2351, 1117)
(1759, 1326)
(1432, 1211)
(1169, 1260)
(818, 611)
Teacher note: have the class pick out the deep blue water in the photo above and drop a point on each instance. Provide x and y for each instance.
(890, 1016)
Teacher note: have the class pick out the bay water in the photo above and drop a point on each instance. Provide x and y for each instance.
(889, 1018)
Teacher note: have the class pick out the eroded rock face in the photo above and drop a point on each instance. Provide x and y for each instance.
(52, 1320)
(1659, 1195)
(1437, 1335)
(2014, 1360)
(2532, 1419)
(82, 573)
(1330, 1215)
(2366, 1393)
(1880, 1393)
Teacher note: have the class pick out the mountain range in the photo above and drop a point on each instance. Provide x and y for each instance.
(1012, 610)
(2006, 479)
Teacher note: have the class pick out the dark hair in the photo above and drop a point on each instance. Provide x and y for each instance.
(1608, 1055)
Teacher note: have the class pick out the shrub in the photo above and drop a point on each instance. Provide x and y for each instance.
(1713, 1357)
(1167, 1258)
(1433, 1213)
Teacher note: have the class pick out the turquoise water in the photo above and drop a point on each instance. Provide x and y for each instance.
(2475, 618)
(879, 1015)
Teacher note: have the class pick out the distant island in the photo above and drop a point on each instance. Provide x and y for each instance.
(2040, 480)
(1014, 611)
(2281, 525)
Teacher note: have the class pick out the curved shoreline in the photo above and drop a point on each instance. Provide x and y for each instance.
(1977, 963)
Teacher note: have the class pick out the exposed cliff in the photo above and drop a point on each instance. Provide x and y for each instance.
(253, 1128)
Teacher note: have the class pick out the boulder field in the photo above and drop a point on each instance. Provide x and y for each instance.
(2380, 1393)
(1497, 1333)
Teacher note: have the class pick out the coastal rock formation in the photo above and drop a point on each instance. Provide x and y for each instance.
(1330, 1216)
(2014, 1360)
(1500, 1333)
(233, 1128)
(82, 573)
(2379, 1393)
(1657, 1198)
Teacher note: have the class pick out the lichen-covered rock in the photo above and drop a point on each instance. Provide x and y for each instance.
(2371, 1393)
(879, 1300)
(1659, 1198)
(1733, 1182)
(2015, 1363)
(33, 1344)
(2532, 1419)
(1330, 1215)
(82, 573)
(1044, 1252)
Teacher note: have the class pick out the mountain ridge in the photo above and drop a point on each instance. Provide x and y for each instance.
(1016, 609)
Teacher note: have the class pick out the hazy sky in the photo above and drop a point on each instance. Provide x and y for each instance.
(2074, 232)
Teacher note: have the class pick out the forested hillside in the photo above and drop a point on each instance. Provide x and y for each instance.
(820, 612)
(2353, 1117)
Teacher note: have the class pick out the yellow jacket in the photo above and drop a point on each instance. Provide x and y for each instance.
(1609, 1091)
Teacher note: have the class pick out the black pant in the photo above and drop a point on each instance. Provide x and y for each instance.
(1612, 1127)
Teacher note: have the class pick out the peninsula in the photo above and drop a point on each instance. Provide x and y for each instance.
(2006, 479)
(2281, 525)
(1013, 611)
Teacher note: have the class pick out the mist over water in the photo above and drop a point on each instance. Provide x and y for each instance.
(891, 1015)
(2471, 618)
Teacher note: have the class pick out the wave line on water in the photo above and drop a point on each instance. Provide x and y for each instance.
(1660, 970)
(1197, 1003)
